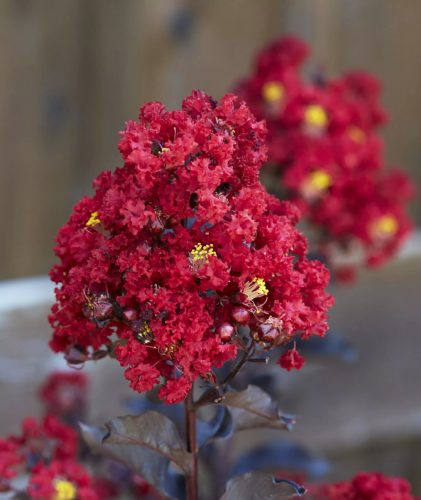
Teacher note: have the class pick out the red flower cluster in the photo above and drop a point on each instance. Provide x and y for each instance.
(291, 359)
(365, 486)
(47, 452)
(180, 247)
(323, 142)
(64, 393)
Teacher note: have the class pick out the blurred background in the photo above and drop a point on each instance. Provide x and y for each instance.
(72, 71)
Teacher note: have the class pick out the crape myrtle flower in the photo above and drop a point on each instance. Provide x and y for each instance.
(48, 439)
(291, 359)
(179, 248)
(367, 486)
(275, 78)
(9, 460)
(325, 149)
(61, 480)
(64, 394)
(45, 454)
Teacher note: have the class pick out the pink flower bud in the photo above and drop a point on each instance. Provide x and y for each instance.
(225, 332)
(130, 314)
(266, 333)
(240, 314)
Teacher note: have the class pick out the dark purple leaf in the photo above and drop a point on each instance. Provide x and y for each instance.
(254, 408)
(259, 486)
(141, 404)
(147, 444)
(220, 426)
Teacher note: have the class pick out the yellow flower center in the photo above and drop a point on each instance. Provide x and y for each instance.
(164, 150)
(93, 220)
(64, 490)
(356, 134)
(316, 115)
(201, 253)
(386, 226)
(255, 288)
(319, 180)
(273, 92)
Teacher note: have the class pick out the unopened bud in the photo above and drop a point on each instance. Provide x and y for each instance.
(241, 315)
(225, 332)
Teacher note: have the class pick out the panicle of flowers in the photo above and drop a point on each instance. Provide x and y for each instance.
(44, 455)
(325, 148)
(368, 486)
(64, 394)
(179, 248)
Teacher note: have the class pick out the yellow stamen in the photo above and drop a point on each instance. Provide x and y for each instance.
(319, 180)
(170, 350)
(201, 253)
(164, 150)
(273, 92)
(64, 490)
(255, 288)
(386, 226)
(145, 334)
(93, 220)
(356, 134)
(316, 115)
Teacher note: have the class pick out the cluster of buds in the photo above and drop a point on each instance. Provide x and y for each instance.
(182, 250)
(325, 148)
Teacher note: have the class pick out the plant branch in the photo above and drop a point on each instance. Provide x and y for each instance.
(191, 480)
(243, 360)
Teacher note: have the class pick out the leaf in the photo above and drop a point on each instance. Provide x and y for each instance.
(220, 426)
(152, 431)
(258, 485)
(281, 455)
(254, 408)
(147, 444)
(141, 404)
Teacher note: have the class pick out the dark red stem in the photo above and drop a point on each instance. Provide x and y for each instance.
(192, 483)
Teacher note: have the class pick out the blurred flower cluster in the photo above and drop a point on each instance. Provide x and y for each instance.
(365, 486)
(327, 156)
(47, 460)
(64, 395)
(44, 459)
(181, 258)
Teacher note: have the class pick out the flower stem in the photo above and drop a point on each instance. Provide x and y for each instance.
(192, 486)
(243, 360)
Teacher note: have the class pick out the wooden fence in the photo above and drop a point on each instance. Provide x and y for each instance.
(73, 70)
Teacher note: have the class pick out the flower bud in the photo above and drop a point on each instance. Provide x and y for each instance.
(266, 333)
(98, 308)
(240, 314)
(88, 312)
(130, 314)
(156, 226)
(102, 309)
(225, 332)
(75, 356)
